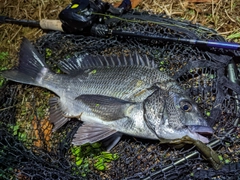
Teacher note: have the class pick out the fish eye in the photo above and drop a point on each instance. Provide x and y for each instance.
(185, 106)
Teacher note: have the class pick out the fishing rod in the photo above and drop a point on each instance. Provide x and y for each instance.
(86, 17)
(102, 31)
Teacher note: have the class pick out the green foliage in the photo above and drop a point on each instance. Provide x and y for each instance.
(225, 158)
(103, 159)
(2, 80)
(15, 129)
(93, 71)
(234, 36)
(41, 112)
(48, 53)
(3, 55)
(208, 113)
(7, 173)
(22, 136)
(220, 157)
(91, 154)
(3, 63)
(68, 56)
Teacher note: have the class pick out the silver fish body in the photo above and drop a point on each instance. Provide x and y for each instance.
(113, 96)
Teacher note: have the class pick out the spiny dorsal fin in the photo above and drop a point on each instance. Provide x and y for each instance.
(80, 63)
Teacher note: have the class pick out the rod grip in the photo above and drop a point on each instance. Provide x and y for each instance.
(55, 25)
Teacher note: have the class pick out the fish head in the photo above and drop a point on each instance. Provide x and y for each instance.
(173, 115)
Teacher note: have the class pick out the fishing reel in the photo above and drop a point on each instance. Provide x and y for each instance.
(81, 15)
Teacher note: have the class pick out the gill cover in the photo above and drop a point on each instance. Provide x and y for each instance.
(155, 110)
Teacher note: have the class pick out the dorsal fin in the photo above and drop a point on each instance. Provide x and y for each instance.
(80, 63)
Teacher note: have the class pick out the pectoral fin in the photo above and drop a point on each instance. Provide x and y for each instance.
(91, 133)
(107, 108)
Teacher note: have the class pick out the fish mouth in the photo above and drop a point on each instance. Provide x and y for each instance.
(201, 131)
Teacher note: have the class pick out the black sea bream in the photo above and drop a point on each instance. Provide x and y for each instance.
(113, 96)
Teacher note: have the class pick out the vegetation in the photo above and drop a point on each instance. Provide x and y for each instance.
(3, 65)
(91, 154)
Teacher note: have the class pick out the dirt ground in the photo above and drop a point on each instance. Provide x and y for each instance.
(221, 15)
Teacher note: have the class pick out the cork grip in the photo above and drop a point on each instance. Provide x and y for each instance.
(51, 24)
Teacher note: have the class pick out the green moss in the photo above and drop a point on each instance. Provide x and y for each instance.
(96, 145)
(93, 71)
(91, 155)
(48, 53)
(2, 81)
(3, 55)
(161, 69)
(76, 150)
(68, 56)
(22, 136)
(208, 113)
(220, 158)
(227, 144)
(103, 159)
(15, 129)
(162, 62)
(227, 161)
(3, 65)
(58, 71)
(41, 112)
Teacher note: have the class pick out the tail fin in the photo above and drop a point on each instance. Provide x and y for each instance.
(31, 68)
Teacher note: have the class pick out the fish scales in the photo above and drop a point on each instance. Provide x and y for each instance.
(120, 82)
(113, 96)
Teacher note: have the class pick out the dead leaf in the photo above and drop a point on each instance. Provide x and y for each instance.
(46, 130)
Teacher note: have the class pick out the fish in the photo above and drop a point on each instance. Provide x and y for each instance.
(112, 95)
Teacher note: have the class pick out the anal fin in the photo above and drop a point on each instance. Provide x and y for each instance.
(57, 116)
(91, 133)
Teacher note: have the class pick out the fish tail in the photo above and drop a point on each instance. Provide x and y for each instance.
(31, 68)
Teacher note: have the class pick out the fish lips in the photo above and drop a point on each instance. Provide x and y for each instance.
(199, 132)
(203, 130)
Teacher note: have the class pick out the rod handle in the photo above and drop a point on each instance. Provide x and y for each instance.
(55, 25)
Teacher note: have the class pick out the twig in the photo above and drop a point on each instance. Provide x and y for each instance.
(3, 109)
(224, 33)
(229, 16)
(16, 33)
